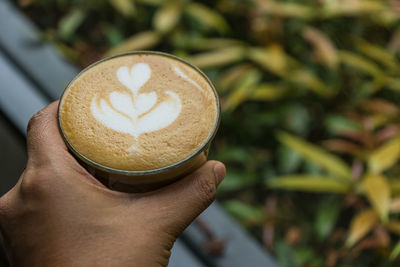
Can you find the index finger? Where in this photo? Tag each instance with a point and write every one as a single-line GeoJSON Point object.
{"type": "Point", "coordinates": [43, 136]}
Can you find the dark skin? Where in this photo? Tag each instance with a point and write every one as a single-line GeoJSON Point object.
{"type": "Point", "coordinates": [59, 215]}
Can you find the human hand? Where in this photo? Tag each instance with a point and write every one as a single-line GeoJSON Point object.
{"type": "Point", "coordinates": [59, 215]}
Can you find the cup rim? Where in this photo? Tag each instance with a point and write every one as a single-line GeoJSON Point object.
{"type": "Point", "coordinates": [144, 172]}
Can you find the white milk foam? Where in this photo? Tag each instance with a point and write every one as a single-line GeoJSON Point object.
{"type": "Point", "coordinates": [124, 113]}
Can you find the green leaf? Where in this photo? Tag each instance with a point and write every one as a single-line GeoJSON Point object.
{"type": "Point", "coordinates": [316, 155]}
{"type": "Point", "coordinates": [245, 213]}
{"type": "Point", "coordinates": [285, 254]}
{"type": "Point", "coordinates": [377, 190]}
{"type": "Point", "coordinates": [125, 7]}
{"type": "Point", "coordinates": [142, 40]}
{"type": "Point", "coordinates": [167, 17]}
{"type": "Point", "coordinates": [296, 118]}
{"type": "Point", "coordinates": [338, 124]}
{"type": "Point", "coordinates": [70, 23]}
{"type": "Point", "coordinates": [360, 225]}
{"type": "Point", "coordinates": [327, 215]}
{"type": "Point", "coordinates": [395, 252]}
{"type": "Point", "coordinates": [385, 156]}
{"type": "Point", "coordinates": [207, 17]}
{"type": "Point", "coordinates": [309, 183]}
{"type": "Point", "coordinates": [217, 58]}
{"type": "Point", "coordinates": [234, 154]}
{"type": "Point", "coordinates": [113, 34]}
{"type": "Point", "coordinates": [237, 180]}
{"type": "Point", "coordinates": [289, 160]}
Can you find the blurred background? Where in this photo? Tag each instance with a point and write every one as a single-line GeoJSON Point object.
{"type": "Point", "coordinates": [310, 130]}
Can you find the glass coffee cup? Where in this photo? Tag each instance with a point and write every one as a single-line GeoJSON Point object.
{"type": "Point", "coordinates": [183, 75]}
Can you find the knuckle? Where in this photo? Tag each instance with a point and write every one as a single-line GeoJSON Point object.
{"type": "Point", "coordinates": [33, 121]}
{"type": "Point", "coordinates": [35, 182]}
{"type": "Point", "coordinates": [206, 189]}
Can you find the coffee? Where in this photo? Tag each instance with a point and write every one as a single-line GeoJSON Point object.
{"type": "Point", "coordinates": [138, 112]}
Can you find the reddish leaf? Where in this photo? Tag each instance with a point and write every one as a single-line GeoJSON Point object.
{"type": "Point", "coordinates": [342, 146]}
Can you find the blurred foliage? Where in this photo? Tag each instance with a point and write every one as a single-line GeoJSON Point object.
{"type": "Point", "coordinates": [309, 91]}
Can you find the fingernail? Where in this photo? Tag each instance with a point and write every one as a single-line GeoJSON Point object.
{"type": "Point", "coordinates": [219, 172]}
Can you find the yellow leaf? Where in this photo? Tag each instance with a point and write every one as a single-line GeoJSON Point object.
{"type": "Point", "coordinates": [309, 183]}
{"type": "Point", "coordinates": [218, 57]}
{"type": "Point", "coordinates": [293, 10]}
{"type": "Point", "coordinates": [268, 92]}
{"type": "Point", "coordinates": [125, 7]}
{"type": "Point", "coordinates": [393, 84]}
{"type": "Point", "coordinates": [353, 8]}
{"type": "Point", "coordinates": [394, 185]}
{"type": "Point", "coordinates": [232, 75]}
{"type": "Point", "coordinates": [385, 156]}
{"type": "Point", "coordinates": [308, 79]}
{"type": "Point", "coordinates": [166, 18]}
{"type": "Point", "coordinates": [378, 53]}
{"type": "Point", "coordinates": [244, 89]}
{"type": "Point", "coordinates": [206, 16]}
{"type": "Point", "coordinates": [393, 226]}
{"type": "Point", "coordinates": [151, 2]}
{"type": "Point", "coordinates": [143, 40]}
{"type": "Point", "coordinates": [273, 59]}
{"type": "Point", "coordinates": [359, 63]}
{"type": "Point", "coordinates": [377, 190]}
{"type": "Point", "coordinates": [325, 50]}
{"type": "Point", "coordinates": [316, 155]}
{"type": "Point", "coordinates": [360, 225]}
{"type": "Point", "coordinates": [201, 43]}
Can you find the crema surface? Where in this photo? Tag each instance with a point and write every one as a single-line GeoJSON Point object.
{"type": "Point", "coordinates": [138, 112]}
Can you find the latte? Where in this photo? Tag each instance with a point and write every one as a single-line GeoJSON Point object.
{"type": "Point", "coordinates": [138, 112]}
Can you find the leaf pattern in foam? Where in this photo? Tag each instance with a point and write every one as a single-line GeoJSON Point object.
{"type": "Point", "coordinates": [108, 116]}
{"type": "Point", "coordinates": [165, 113]}
{"type": "Point", "coordinates": [144, 102]}
{"type": "Point", "coordinates": [123, 103]}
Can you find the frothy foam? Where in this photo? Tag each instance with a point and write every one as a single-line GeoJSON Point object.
{"type": "Point", "coordinates": [138, 112]}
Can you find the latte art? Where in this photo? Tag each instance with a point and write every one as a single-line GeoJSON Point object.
{"type": "Point", "coordinates": [138, 112]}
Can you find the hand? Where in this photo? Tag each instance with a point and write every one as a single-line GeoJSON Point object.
{"type": "Point", "coordinates": [59, 215]}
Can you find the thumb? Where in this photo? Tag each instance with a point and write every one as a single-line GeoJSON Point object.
{"type": "Point", "coordinates": [181, 202]}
